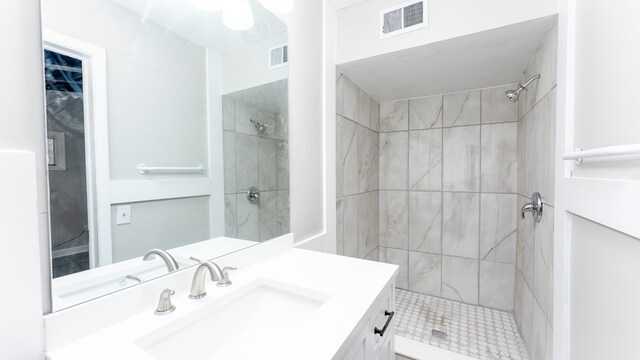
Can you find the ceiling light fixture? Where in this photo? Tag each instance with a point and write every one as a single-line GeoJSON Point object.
{"type": "Point", "coordinates": [237, 15]}
{"type": "Point", "coordinates": [278, 6]}
{"type": "Point", "coordinates": [208, 5]}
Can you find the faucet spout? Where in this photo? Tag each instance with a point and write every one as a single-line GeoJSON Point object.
{"type": "Point", "coordinates": [169, 261]}
{"type": "Point", "coordinates": [198, 283]}
{"type": "Point", "coordinates": [535, 207]}
{"type": "Point", "coordinates": [525, 209]}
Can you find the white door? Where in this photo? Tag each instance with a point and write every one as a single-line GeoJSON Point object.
{"type": "Point", "coordinates": [597, 261]}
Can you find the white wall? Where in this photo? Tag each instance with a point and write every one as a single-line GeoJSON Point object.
{"type": "Point", "coordinates": [145, 64]}
{"type": "Point", "coordinates": [605, 293]}
{"type": "Point", "coordinates": [601, 293]}
{"type": "Point", "coordinates": [216, 153]}
{"type": "Point", "coordinates": [248, 66]}
{"type": "Point", "coordinates": [358, 25]}
{"type": "Point", "coordinates": [21, 329]}
{"type": "Point", "coordinates": [307, 126]}
{"type": "Point", "coordinates": [23, 221]}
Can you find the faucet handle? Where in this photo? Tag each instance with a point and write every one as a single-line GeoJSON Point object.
{"type": "Point", "coordinates": [535, 207]}
{"type": "Point", "coordinates": [224, 281]}
{"type": "Point", "coordinates": [164, 304]}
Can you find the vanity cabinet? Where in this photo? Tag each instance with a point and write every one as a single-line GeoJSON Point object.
{"type": "Point", "coordinates": [372, 343]}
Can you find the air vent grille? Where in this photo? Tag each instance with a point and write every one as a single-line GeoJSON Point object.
{"type": "Point", "coordinates": [413, 14]}
{"type": "Point", "coordinates": [403, 18]}
{"type": "Point", "coordinates": [278, 56]}
{"type": "Point", "coordinates": [392, 21]}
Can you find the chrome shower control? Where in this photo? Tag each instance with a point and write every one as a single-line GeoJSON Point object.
{"type": "Point", "coordinates": [260, 128]}
{"type": "Point", "coordinates": [253, 195]}
{"type": "Point", "coordinates": [534, 207]}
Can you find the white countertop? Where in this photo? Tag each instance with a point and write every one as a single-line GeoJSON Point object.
{"type": "Point", "coordinates": [75, 283]}
{"type": "Point", "coordinates": [352, 286]}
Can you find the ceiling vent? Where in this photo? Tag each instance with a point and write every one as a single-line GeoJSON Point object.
{"type": "Point", "coordinates": [278, 56]}
{"type": "Point", "coordinates": [403, 18]}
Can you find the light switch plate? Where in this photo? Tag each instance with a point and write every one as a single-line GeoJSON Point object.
{"type": "Point", "coordinates": [123, 214]}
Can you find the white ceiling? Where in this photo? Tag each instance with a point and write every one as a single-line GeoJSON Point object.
{"type": "Point", "coordinates": [341, 4]}
{"type": "Point", "coordinates": [204, 28]}
{"type": "Point", "coordinates": [490, 58]}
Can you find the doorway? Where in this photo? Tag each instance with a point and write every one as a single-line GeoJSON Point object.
{"type": "Point", "coordinates": [67, 165]}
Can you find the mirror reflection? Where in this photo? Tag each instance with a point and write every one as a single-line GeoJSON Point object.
{"type": "Point", "coordinates": [167, 137]}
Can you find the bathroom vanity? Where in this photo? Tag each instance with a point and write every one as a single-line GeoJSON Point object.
{"type": "Point", "coordinates": [297, 304]}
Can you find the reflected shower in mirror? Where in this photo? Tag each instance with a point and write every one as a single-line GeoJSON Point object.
{"type": "Point", "coordinates": [167, 139]}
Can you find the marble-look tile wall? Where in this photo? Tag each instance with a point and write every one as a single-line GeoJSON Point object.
{"type": "Point", "coordinates": [448, 181]}
{"type": "Point", "coordinates": [255, 160]}
{"type": "Point", "coordinates": [357, 126]}
{"type": "Point", "coordinates": [536, 146]}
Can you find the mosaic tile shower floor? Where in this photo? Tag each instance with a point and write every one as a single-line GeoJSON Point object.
{"type": "Point", "coordinates": [471, 330]}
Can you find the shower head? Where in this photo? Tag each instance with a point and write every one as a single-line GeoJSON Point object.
{"type": "Point", "coordinates": [514, 95]}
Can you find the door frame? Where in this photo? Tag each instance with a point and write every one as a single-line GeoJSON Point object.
{"type": "Point", "coordinates": [94, 83]}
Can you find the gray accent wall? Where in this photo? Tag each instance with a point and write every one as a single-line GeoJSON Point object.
{"type": "Point", "coordinates": [357, 163]}
{"type": "Point", "coordinates": [163, 224]}
{"type": "Point", "coordinates": [261, 160]}
{"type": "Point", "coordinates": [536, 149]}
{"type": "Point", "coordinates": [445, 191]}
{"type": "Point", "coordinates": [448, 178]}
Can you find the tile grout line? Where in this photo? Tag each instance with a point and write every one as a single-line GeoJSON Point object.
{"type": "Point", "coordinates": [442, 198]}
{"type": "Point", "coordinates": [480, 196]}
{"type": "Point", "coordinates": [408, 201]}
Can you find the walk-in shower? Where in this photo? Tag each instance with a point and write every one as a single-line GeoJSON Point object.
{"type": "Point", "coordinates": [514, 95]}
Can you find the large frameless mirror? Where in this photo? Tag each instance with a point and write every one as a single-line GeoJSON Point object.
{"type": "Point", "coordinates": [167, 137]}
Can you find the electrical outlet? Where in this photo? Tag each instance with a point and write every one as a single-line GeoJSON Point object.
{"type": "Point", "coordinates": [123, 214]}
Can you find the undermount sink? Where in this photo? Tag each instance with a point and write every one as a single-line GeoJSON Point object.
{"type": "Point", "coordinates": [257, 319]}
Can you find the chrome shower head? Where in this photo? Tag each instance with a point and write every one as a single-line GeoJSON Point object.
{"type": "Point", "coordinates": [514, 95]}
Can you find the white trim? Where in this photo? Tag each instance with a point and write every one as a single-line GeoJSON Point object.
{"type": "Point", "coordinates": [147, 170]}
{"type": "Point", "coordinates": [127, 191]}
{"type": "Point", "coordinates": [94, 65]}
{"type": "Point", "coordinates": [619, 193]}
{"type": "Point", "coordinates": [562, 219]}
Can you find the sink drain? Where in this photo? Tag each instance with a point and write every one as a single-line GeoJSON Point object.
{"type": "Point", "coordinates": [439, 334]}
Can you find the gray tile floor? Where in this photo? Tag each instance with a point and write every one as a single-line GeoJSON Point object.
{"type": "Point", "coordinates": [471, 330]}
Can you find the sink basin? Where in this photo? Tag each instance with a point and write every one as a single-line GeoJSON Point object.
{"type": "Point", "coordinates": [257, 319]}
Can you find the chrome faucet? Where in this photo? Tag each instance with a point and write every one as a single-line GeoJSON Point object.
{"type": "Point", "coordinates": [260, 128]}
{"type": "Point", "coordinates": [169, 261]}
{"type": "Point", "coordinates": [216, 274]}
{"type": "Point", "coordinates": [164, 304]}
{"type": "Point", "coordinates": [534, 207]}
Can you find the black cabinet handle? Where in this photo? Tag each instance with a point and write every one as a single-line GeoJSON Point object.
{"type": "Point", "coordinates": [386, 324]}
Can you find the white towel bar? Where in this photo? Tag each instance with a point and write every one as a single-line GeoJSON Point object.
{"type": "Point", "coordinates": [620, 150]}
{"type": "Point", "coordinates": [146, 170]}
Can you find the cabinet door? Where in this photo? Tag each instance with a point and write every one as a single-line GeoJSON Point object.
{"type": "Point", "coordinates": [360, 349]}
{"type": "Point", "coordinates": [383, 309]}
{"type": "Point", "coordinates": [387, 351]}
